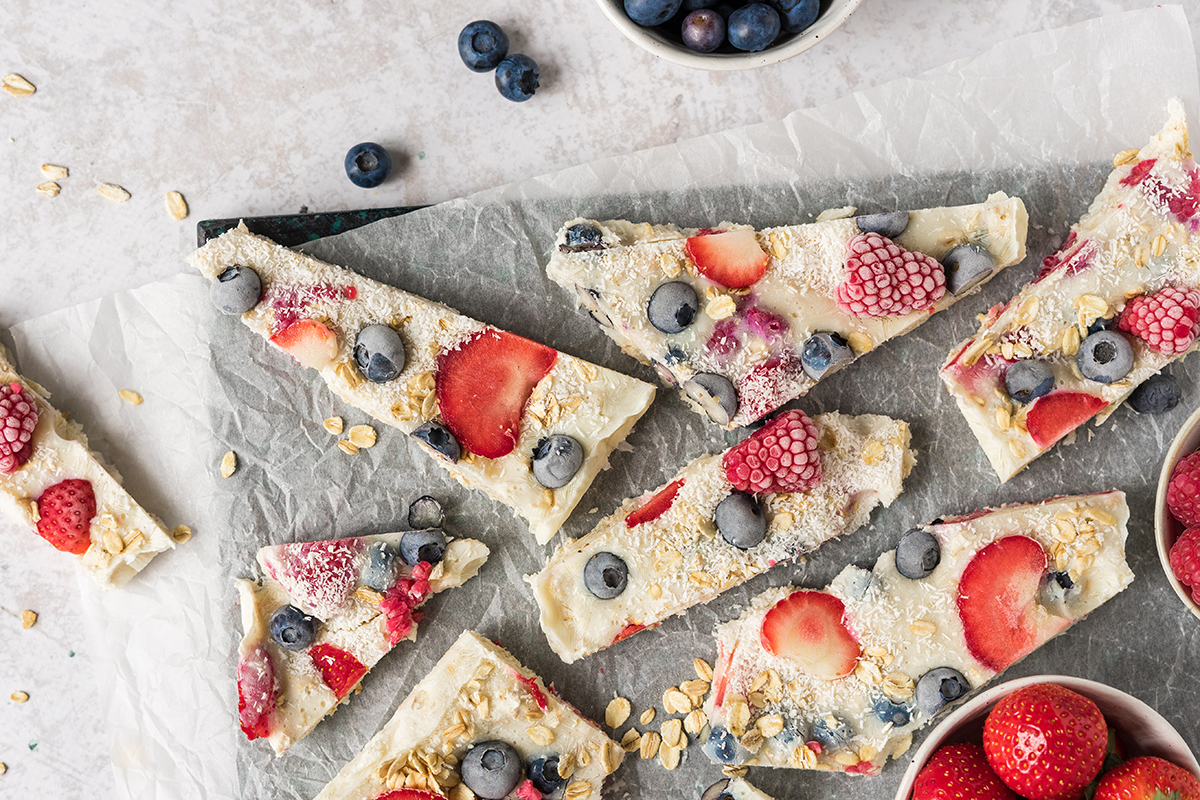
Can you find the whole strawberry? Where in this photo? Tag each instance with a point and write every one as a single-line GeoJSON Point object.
{"type": "Point", "coordinates": [782, 457]}
{"type": "Point", "coordinates": [959, 771]}
{"type": "Point", "coordinates": [1148, 778]}
{"type": "Point", "coordinates": [1183, 491]}
{"type": "Point", "coordinates": [65, 515]}
{"type": "Point", "coordinates": [1045, 741]}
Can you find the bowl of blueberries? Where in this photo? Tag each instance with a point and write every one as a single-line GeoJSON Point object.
{"type": "Point", "coordinates": [727, 34]}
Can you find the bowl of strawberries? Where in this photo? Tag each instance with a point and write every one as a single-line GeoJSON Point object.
{"type": "Point", "coordinates": [1052, 737]}
{"type": "Point", "coordinates": [1177, 514]}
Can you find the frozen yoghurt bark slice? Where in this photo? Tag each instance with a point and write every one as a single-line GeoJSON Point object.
{"type": "Point", "coordinates": [525, 424]}
{"type": "Point", "coordinates": [713, 527]}
{"type": "Point", "coordinates": [480, 725]}
{"type": "Point", "coordinates": [323, 615]}
{"type": "Point", "coordinates": [734, 789]}
{"type": "Point", "coordinates": [1114, 305]}
{"type": "Point", "coordinates": [841, 678]}
{"type": "Point", "coordinates": [53, 482]}
{"type": "Point", "coordinates": [744, 321]}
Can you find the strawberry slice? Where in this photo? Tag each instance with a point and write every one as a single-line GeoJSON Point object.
{"type": "Point", "coordinates": [731, 258]}
{"type": "Point", "coordinates": [340, 670]}
{"type": "Point", "coordinates": [1053, 416]}
{"type": "Point", "coordinates": [309, 342]}
{"type": "Point", "coordinates": [410, 794]}
{"type": "Point", "coordinates": [483, 386]}
{"type": "Point", "coordinates": [656, 506]}
{"type": "Point", "coordinates": [997, 602]}
{"type": "Point", "coordinates": [627, 631]}
{"type": "Point", "coordinates": [256, 691]}
{"type": "Point", "coordinates": [809, 628]}
{"type": "Point", "coordinates": [66, 510]}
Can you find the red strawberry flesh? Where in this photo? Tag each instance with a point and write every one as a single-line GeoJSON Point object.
{"type": "Point", "coordinates": [808, 627]}
{"type": "Point", "coordinates": [256, 691]}
{"type": "Point", "coordinates": [959, 771]}
{"type": "Point", "coordinates": [309, 342]}
{"type": "Point", "coordinates": [66, 510]}
{"type": "Point", "coordinates": [1053, 416]}
{"type": "Point", "coordinates": [656, 506]}
{"type": "Point", "coordinates": [340, 670]}
{"type": "Point", "coordinates": [733, 259]}
{"type": "Point", "coordinates": [410, 794]}
{"type": "Point", "coordinates": [1148, 777]}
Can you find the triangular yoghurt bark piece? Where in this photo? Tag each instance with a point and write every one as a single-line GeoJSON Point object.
{"type": "Point", "coordinates": [480, 725]}
{"type": "Point", "coordinates": [734, 789]}
{"type": "Point", "coordinates": [1115, 304]}
{"type": "Point", "coordinates": [51, 481]}
{"type": "Point", "coordinates": [525, 424]}
{"type": "Point", "coordinates": [744, 321]}
{"type": "Point", "coordinates": [707, 530]}
{"type": "Point", "coordinates": [323, 615]}
{"type": "Point", "coordinates": [841, 678]}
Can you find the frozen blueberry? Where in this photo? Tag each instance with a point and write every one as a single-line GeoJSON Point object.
{"type": "Point", "coordinates": [379, 353]}
{"type": "Point", "coordinates": [1158, 394]}
{"type": "Point", "coordinates": [966, 265]}
{"type": "Point", "coordinates": [887, 711]}
{"type": "Point", "coordinates": [917, 554]}
{"type": "Point", "coordinates": [1056, 591]}
{"type": "Point", "coordinates": [715, 394]}
{"type": "Point", "coordinates": [692, 5]}
{"type": "Point", "coordinates": [822, 352]}
{"type": "Point", "coordinates": [721, 747]}
{"type": "Point", "coordinates": [590, 299]}
{"type": "Point", "coordinates": [1105, 357]}
{"type": "Point", "coordinates": [795, 16]}
{"type": "Point", "coordinates": [368, 165]}
{"type": "Point", "coordinates": [832, 731]}
{"type": "Point", "coordinates": [753, 27]}
{"type": "Point", "coordinates": [891, 224]}
{"type": "Point", "coordinates": [517, 78]}
{"type": "Point", "coordinates": [605, 575]}
{"type": "Point", "coordinates": [717, 791]}
{"type": "Point", "coordinates": [543, 774]}
{"type": "Point", "coordinates": [582, 236]}
{"type": "Point", "coordinates": [673, 306]}
{"type": "Point", "coordinates": [556, 459]}
{"type": "Point", "coordinates": [440, 438]}
{"type": "Point", "coordinates": [1028, 380]}
{"type": "Point", "coordinates": [857, 582]}
{"type": "Point", "coordinates": [491, 769]}
{"type": "Point", "coordinates": [675, 355]}
{"type": "Point", "coordinates": [428, 545]}
{"type": "Point", "coordinates": [703, 30]}
{"type": "Point", "coordinates": [651, 12]}
{"type": "Point", "coordinates": [741, 520]}
{"type": "Point", "coordinates": [236, 290]}
{"type": "Point", "coordinates": [425, 512]}
{"type": "Point", "coordinates": [482, 44]}
{"type": "Point", "coordinates": [379, 572]}
{"type": "Point", "coordinates": [1101, 324]}
{"type": "Point", "coordinates": [938, 688]}
{"type": "Point", "coordinates": [292, 629]}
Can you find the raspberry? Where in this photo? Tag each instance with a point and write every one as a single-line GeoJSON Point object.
{"type": "Point", "coordinates": [18, 418]}
{"type": "Point", "coordinates": [885, 280]}
{"type": "Point", "coordinates": [1183, 491]}
{"type": "Point", "coordinates": [782, 457]}
{"type": "Point", "coordinates": [1185, 558]}
{"type": "Point", "coordinates": [1166, 320]}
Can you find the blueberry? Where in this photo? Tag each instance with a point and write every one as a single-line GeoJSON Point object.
{"type": "Point", "coordinates": [673, 306]}
{"type": "Point", "coordinates": [891, 224]}
{"type": "Point", "coordinates": [753, 27]}
{"type": "Point", "coordinates": [938, 688]}
{"type": "Point", "coordinates": [675, 355]}
{"type": "Point", "coordinates": [582, 236]}
{"type": "Point", "coordinates": [368, 165]}
{"type": "Point", "coordinates": [717, 791]}
{"type": "Point", "coordinates": [1028, 380]}
{"type": "Point", "coordinates": [896, 713]}
{"type": "Point", "coordinates": [822, 352]}
{"type": "Point", "coordinates": [556, 459]}
{"type": "Point", "coordinates": [605, 575]}
{"type": "Point", "coordinates": [440, 438]}
{"type": "Point", "coordinates": [491, 769]}
{"type": "Point", "coordinates": [428, 545]}
{"type": "Point", "coordinates": [590, 299]}
{"type": "Point", "coordinates": [425, 512]}
{"type": "Point", "coordinates": [917, 554]}
{"type": "Point", "coordinates": [857, 582]}
{"type": "Point", "coordinates": [832, 731]}
{"type": "Point", "coordinates": [721, 746]}
{"type": "Point", "coordinates": [1056, 591]}
{"type": "Point", "coordinates": [1101, 324]}
{"type": "Point", "coordinates": [380, 570]}
{"type": "Point", "coordinates": [741, 520]}
{"type": "Point", "coordinates": [482, 44]}
{"type": "Point", "coordinates": [651, 12]}
{"type": "Point", "coordinates": [1105, 357]}
{"type": "Point", "coordinates": [543, 774]}
{"type": "Point", "coordinates": [1158, 394]}
{"type": "Point", "coordinates": [517, 78]}
{"type": "Point", "coordinates": [966, 266]}
{"type": "Point", "coordinates": [292, 629]}
{"type": "Point", "coordinates": [703, 30]}
{"type": "Point", "coordinates": [236, 290]}
{"type": "Point", "coordinates": [379, 353]}
{"type": "Point", "coordinates": [692, 5]}
{"type": "Point", "coordinates": [795, 16]}
{"type": "Point", "coordinates": [715, 394]}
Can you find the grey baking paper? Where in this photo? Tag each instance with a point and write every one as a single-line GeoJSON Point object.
{"type": "Point", "coordinates": [1039, 117]}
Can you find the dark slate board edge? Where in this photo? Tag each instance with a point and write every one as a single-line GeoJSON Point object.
{"type": "Point", "coordinates": [296, 229]}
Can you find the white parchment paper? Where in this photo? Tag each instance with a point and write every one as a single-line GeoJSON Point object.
{"type": "Point", "coordinates": [1039, 117]}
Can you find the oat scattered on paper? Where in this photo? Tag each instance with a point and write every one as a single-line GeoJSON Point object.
{"type": "Point", "coordinates": [131, 397]}
{"type": "Point", "coordinates": [48, 189]}
{"type": "Point", "coordinates": [176, 206]}
{"type": "Point", "coordinates": [17, 86]}
{"type": "Point", "coordinates": [110, 191]}
{"type": "Point", "coordinates": [28, 618]}
{"type": "Point", "coordinates": [348, 447]}
{"type": "Point", "coordinates": [3, 768]}
{"type": "Point", "coordinates": [333, 425]}
{"type": "Point", "coordinates": [55, 172]}
{"type": "Point", "coordinates": [229, 464]}
{"type": "Point", "coordinates": [362, 436]}
{"type": "Point", "coordinates": [19, 697]}
{"type": "Point", "coordinates": [617, 712]}
{"type": "Point", "coordinates": [181, 533]}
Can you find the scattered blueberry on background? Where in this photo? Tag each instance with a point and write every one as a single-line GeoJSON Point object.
{"type": "Point", "coordinates": [368, 165]}
{"type": "Point", "coordinates": [707, 26]}
{"type": "Point", "coordinates": [517, 78]}
{"type": "Point", "coordinates": [482, 45]}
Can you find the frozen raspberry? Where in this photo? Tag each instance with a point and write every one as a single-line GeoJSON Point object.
{"type": "Point", "coordinates": [1166, 320]}
{"type": "Point", "coordinates": [1185, 558]}
{"type": "Point", "coordinates": [1183, 492]}
{"type": "Point", "coordinates": [885, 280]}
{"type": "Point", "coordinates": [782, 457]}
{"type": "Point", "coordinates": [18, 418]}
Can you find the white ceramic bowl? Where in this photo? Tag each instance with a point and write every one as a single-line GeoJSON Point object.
{"type": "Point", "coordinates": [1143, 730]}
{"type": "Point", "coordinates": [1166, 527]}
{"type": "Point", "coordinates": [833, 14]}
